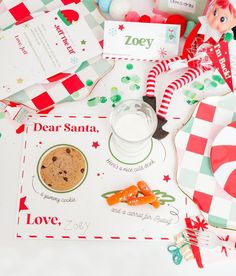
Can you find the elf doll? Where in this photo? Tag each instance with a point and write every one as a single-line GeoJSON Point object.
{"type": "Point", "coordinates": [210, 30]}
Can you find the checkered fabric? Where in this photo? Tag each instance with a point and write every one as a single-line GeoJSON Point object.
{"type": "Point", "coordinates": [81, 80]}
{"type": "Point", "coordinates": [195, 177]}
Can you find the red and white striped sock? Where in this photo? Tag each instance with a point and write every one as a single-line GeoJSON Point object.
{"type": "Point", "coordinates": [186, 78]}
{"type": "Point", "coordinates": [155, 72]}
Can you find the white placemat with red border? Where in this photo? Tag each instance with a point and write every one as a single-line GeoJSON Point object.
{"type": "Point", "coordinates": [84, 213]}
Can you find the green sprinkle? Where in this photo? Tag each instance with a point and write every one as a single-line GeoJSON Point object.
{"type": "Point", "coordinates": [2, 115]}
{"type": "Point", "coordinates": [113, 105]}
{"type": "Point", "coordinates": [103, 99]}
{"type": "Point", "coordinates": [125, 79]}
{"type": "Point", "coordinates": [93, 101]}
{"type": "Point", "coordinates": [129, 66]}
{"type": "Point", "coordinates": [116, 98]}
{"type": "Point", "coordinates": [198, 85]}
{"type": "Point", "coordinates": [89, 82]}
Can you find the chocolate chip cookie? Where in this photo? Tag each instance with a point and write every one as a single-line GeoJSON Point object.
{"type": "Point", "coordinates": [62, 168]}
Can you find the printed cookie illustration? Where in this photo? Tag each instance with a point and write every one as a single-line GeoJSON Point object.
{"type": "Point", "coordinates": [62, 168]}
{"type": "Point", "coordinates": [68, 16]}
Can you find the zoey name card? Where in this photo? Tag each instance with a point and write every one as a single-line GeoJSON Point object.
{"type": "Point", "coordinates": [43, 47]}
{"type": "Point", "coordinates": [140, 41]}
{"type": "Point", "coordinates": [69, 168]}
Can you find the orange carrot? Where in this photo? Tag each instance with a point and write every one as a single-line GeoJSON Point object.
{"type": "Point", "coordinates": [146, 191]}
{"type": "Point", "coordinates": [123, 195]}
{"type": "Point", "coordinates": [141, 200]}
{"type": "Point", "coordinates": [114, 199]}
{"type": "Point", "coordinates": [156, 204]}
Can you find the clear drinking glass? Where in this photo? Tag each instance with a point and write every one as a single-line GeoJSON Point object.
{"type": "Point", "coordinates": [133, 124]}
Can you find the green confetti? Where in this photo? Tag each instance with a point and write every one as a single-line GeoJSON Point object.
{"type": "Point", "coordinates": [207, 81]}
{"type": "Point", "coordinates": [89, 82]}
{"type": "Point", "coordinates": [135, 78]}
{"type": "Point", "coordinates": [129, 66]}
{"type": "Point", "coordinates": [219, 79]}
{"type": "Point", "coordinates": [187, 93]}
{"type": "Point", "coordinates": [2, 115]}
{"type": "Point", "coordinates": [198, 85]}
{"type": "Point", "coordinates": [93, 102]}
{"type": "Point", "coordinates": [191, 102]}
{"type": "Point", "coordinates": [190, 94]}
{"type": "Point", "coordinates": [103, 99]}
{"type": "Point", "coordinates": [213, 84]}
{"type": "Point", "coordinates": [125, 79]}
{"type": "Point", "coordinates": [115, 99]}
{"type": "Point", "coordinates": [134, 87]}
{"type": "Point", "coordinates": [0, 135]}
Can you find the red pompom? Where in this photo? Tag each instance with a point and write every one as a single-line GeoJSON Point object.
{"type": "Point", "coordinates": [178, 20]}
{"type": "Point", "coordinates": [132, 16]}
{"type": "Point", "coordinates": [145, 19]}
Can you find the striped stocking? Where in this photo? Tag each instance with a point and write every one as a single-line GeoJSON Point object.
{"type": "Point", "coordinates": [159, 68]}
{"type": "Point", "coordinates": [186, 78]}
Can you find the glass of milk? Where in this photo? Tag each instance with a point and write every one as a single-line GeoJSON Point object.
{"type": "Point", "coordinates": [133, 124]}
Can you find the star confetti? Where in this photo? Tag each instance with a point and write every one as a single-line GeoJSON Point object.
{"type": "Point", "coordinates": [121, 27]}
{"type": "Point", "coordinates": [83, 42]}
{"type": "Point", "coordinates": [95, 145]}
{"type": "Point", "coordinates": [166, 178]}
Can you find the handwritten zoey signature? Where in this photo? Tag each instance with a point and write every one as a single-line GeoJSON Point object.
{"type": "Point", "coordinates": [171, 218]}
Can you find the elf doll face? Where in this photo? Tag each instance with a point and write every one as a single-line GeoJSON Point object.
{"type": "Point", "coordinates": [221, 19]}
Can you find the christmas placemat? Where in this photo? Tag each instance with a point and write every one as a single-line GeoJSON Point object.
{"type": "Point", "coordinates": [195, 176]}
{"type": "Point", "coordinates": [68, 170]}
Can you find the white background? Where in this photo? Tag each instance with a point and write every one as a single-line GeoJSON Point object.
{"type": "Point", "coordinates": [105, 258]}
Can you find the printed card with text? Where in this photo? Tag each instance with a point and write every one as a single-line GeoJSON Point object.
{"type": "Point", "coordinates": [69, 169]}
{"type": "Point", "coordinates": [191, 9]}
{"type": "Point", "coordinates": [43, 47]}
{"type": "Point", "coordinates": [140, 41]}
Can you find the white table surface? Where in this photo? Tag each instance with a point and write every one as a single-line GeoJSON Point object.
{"type": "Point", "coordinates": [105, 258]}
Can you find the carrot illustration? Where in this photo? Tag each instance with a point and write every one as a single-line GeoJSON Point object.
{"type": "Point", "coordinates": [141, 200]}
{"type": "Point", "coordinates": [123, 195]}
{"type": "Point", "coordinates": [146, 191]}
